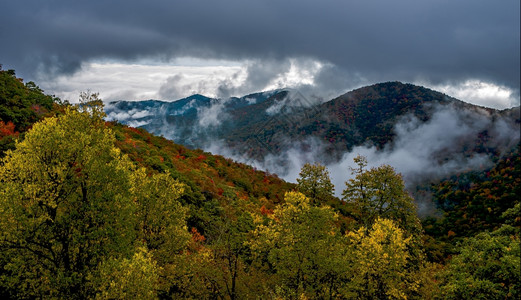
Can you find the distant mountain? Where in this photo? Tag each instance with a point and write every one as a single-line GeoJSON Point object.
{"type": "Point", "coordinates": [188, 120]}
{"type": "Point", "coordinates": [267, 124]}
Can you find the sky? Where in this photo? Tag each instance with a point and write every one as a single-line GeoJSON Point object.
{"type": "Point", "coordinates": [167, 49]}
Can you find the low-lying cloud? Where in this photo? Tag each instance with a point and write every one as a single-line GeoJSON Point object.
{"type": "Point", "coordinates": [420, 150]}
{"type": "Point", "coordinates": [128, 115]}
{"type": "Point", "coordinates": [213, 115]}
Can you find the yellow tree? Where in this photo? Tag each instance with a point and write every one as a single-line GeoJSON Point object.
{"type": "Point", "coordinates": [302, 244]}
{"type": "Point", "coordinates": [70, 203]}
{"type": "Point", "coordinates": [64, 206]}
{"type": "Point", "coordinates": [161, 228]}
{"type": "Point", "coordinates": [160, 217]}
{"type": "Point", "coordinates": [379, 257]}
{"type": "Point", "coordinates": [137, 277]}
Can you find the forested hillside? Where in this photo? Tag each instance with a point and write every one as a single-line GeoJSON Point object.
{"type": "Point", "coordinates": [96, 209]}
{"type": "Point", "coordinates": [268, 123]}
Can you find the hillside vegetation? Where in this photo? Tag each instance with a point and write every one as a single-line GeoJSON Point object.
{"type": "Point", "coordinates": [97, 209]}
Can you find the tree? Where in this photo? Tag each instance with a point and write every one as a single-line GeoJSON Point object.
{"type": "Point", "coordinates": [380, 259]}
{"type": "Point", "coordinates": [128, 278]}
{"type": "Point", "coordinates": [160, 220]}
{"type": "Point", "coordinates": [315, 183]}
{"type": "Point", "coordinates": [380, 192]}
{"type": "Point", "coordinates": [487, 266]}
{"type": "Point", "coordinates": [220, 264]}
{"type": "Point", "coordinates": [65, 205]}
{"type": "Point", "coordinates": [302, 244]}
{"type": "Point", "coordinates": [22, 104]}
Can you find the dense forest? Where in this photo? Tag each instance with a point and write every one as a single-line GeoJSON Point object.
{"type": "Point", "coordinates": [96, 209]}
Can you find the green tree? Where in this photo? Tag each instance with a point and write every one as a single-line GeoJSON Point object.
{"type": "Point", "coordinates": [487, 266]}
{"type": "Point", "coordinates": [380, 192]}
{"type": "Point", "coordinates": [302, 244]}
{"type": "Point", "coordinates": [65, 206]}
{"type": "Point", "coordinates": [315, 183]}
{"type": "Point", "coordinates": [20, 106]}
{"type": "Point", "coordinates": [160, 217]}
{"type": "Point", "coordinates": [229, 252]}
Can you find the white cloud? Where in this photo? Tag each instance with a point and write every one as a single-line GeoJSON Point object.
{"type": "Point", "coordinates": [250, 100]}
{"type": "Point", "coordinates": [300, 72]}
{"type": "Point", "coordinates": [139, 81]}
{"type": "Point", "coordinates": [480, 93]}
{"type": "Point", "coordinates": [293, 99]}
{"type": "Point", "coordinates": [126, 115]}
{"type": "Point", "coordinates": [137, 123]}
{"type": "Point", "coordinates": [181, 78]}
{"type": "Point", "coordinates": [212, 115]}
{"type": "Point", "coordinates": [420, 150]}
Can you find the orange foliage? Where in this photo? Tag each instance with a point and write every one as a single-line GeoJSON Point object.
{"type": "Point", "coordinates": [197, 240]}
{"type": "Point", "coordinates": [265, 211]}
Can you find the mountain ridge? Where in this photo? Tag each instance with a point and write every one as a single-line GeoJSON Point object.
{"type": "Point", "coordinates": [367, 114]}
{"type": "Point", "coordinates": [385, 121]}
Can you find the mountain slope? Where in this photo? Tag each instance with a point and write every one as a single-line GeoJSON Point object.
{"type": "Point", "coordinates": [377, 116]}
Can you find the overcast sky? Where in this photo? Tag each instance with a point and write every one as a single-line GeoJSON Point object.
{"type": "Point", "coordinates": [166, 49]}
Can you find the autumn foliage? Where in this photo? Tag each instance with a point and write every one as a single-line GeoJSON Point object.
{"type": "Point", "coordinates": [95, 209]}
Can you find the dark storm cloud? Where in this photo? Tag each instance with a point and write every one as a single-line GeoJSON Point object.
{"type": "Point", "coordinates": [435, 40]}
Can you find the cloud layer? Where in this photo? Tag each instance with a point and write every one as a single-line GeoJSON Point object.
{"type": "Point", "coordinates": [439, 42]}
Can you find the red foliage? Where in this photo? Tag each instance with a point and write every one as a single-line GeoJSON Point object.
{"type": "Point", "coordinates": [7, 129]}
{"type": "Point", "coordinates": [196, 236]}
{"type": "Point", "coordinates": [38, 109]}
{"type": "Point", "coordinates": [135, 130]}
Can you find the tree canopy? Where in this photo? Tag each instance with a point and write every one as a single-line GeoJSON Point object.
{"type": "Point", "coordinates": [315, 183]}
{"type": "Point", "coordinates": [380, 192]}
{"type": "Point", "coordinates": [69, 200]}
{"type": "Point", "coordinates": [303, 245]}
